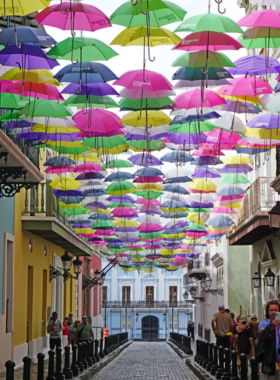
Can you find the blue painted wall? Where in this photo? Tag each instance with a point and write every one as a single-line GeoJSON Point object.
{"type": "Point", "coordinates": [7, 221]}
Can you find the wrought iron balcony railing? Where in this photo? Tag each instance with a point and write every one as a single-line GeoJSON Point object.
{"type": "Point", "coordinates": [146, 304]}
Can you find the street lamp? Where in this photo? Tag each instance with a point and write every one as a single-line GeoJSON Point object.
{"type": "Point", "coordinates": [256, 280]}
{"type": "Point", "coordinates": [186, 295]}
{"type": "Point", "coordinates": [193, 291]}
{"type": "Point", "coordinates": [270, 277]}
{"type": "Point", "coordinates": [208, 282]}
{"type": "Point", "coordinates": [66, 265]}
{"type": "Point", "coordinates": [203, 284]}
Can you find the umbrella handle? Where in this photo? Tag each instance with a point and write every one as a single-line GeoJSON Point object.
{"type": "Point", "coordinates": [219, 2]}
{"type": "Point", "coordinates": [142, 10]}
{"type": "Point", "coordinates": [16, 38]}
{"type": "Point", "coordinates": [149, 52]}
{"type": "Point", "coordinates": [61, 10]}
{"type": "Point", "coordinates": [134, 4]}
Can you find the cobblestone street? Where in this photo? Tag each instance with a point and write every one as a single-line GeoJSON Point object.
{"type": "Point", "coordinates": [149, 361]}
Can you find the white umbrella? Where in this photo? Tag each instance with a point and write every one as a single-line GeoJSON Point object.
{"type": "Point", "coordinates": [51, 121]}
{"type": "Point", "coordinates": [148, 219]}
{"type": "Point", "coordinates": [129, 235]}
{"type": "Point", "coordinates": [267, 2]}
{"type": "Point", "coordinates": [143, 130]}
{"type": "Point", "coordinates": [271, 102]}
{"type": "Point", "coordinates": [94, 184]}
{"type": "Point", "coordinates": [192, 111]}
{"type": "Point", "coordinates": [203, 198]}
{"type": "Point", "coordinates": [175, 197]}
{"type": "Point", "coordinates": [229, 121]}
{"type": "Point", "coordinates": [74, 218]}
{"type": "Point", "coordinates": [178, 172]}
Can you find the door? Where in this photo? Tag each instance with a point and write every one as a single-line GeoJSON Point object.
{"type": "Point", "coordinates": [150, 327]}
{"type": "Point", "coordinates": [44, 307]}
{"type": "Point", "coordinates": [125, 294]}
{"type": "Point", "coordinates": [150, 293]}
{"type": "Point", "coordinates": [173, 295]}
{"type": "Point", "coordinates": [29, 305]}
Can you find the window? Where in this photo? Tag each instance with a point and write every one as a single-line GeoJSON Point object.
{"type": "Point", "coordinates": [126, 322]}
{"type": "Point", "coordinates": [104, 294]}
{"type": "Point", "coordinates": [175, 322]}
{"type": "Point", "coordinates": [149, 293]}
{"type": "Point", "coordinates": [126, 294]}
{"type": "Point", "coordinates": [220, 274]}
{"type": "Point", "coordinates": [172, 293]}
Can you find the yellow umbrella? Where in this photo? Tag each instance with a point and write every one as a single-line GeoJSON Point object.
{"type": "Point", "coordinates": [88, 157]}
{"type": "Point", "coordinates": [21, 7]}
{"type": "Point", "coordinates": [148, 186]}
{"type": "Point", "coordinates": [234, 205]}
{"type": "Point", "coordinates": [72, 205]}
{"type": "Point", "coordinates": [182, 209]}
{"type": "Point", "coordinates": [126, 223]}
{"type": "Point", "coordinates": [115, 150]}
{"type": "Point", "coordinates": [43, 129]}
{"type": "Point", "coordinates": [154, 119]}
{"type": "Point", "coordinates": [264, 134]}
{"type": "Point", "coordinates": [240, 98]}
{"type": "Point", "coordinates": [238, 159]}
{"type": "Point", "coordinates": [195, 218]}
{"type": "Point", "coordinates": [86, 231]}
{"type": "Point", "coordinates": [67, 144]}
{"type": "Point", "coordinates": [65, 183]}
{"type": "Point", "coordinates": [138, 37]}
{"type": "Point", "coordinates": [34, 76]}
{"type": "Point", "coordinates": [174, 236]}
{"type": "Point", "coordinates": [202, 184]}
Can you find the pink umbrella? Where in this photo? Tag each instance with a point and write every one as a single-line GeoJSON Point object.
{"type": "Point", "coordinates": [152, 202]}
{"type": "Point", "coordinates": [88, 167]}
{"type": "Point", "coordinates": [150, 227]}
{"type": "Point", "coordinates": [59, 169]}
{"type": "Point", "coordinates": [73, 16]}
{"type": "Point", "coordinates": [97, 120]}
{"type": "Point", "coordinates": [115, 132]}
{"type": "Point", "coordinates": [202, 151]}
{"type": "Point", "coordinates": [224, 137]}
{"type": "Point", "coordinates": [35, 90]}
{"type": "Point", "coordinates": [138, 93]}
{"type": "Point", "coordinates": [5, 84]}
{"type": "Point", "coordinates": [223, 210]}
{"type": "Point", "coordinates": [248, 86]}
{"type": "Point", "coordinates": [194, 99]}
{"type": "Point", "coordinates": [152, 240]}
{"type": "Point", "coordinates": [148, 179]}
{"type": "Point", "coordinates": [105, 232]}
{"type": "Point", "coordinates": [121, 211]}
{"type": "Point", "coordinates": [208, 41]}
{"type": "Point", "coordinates": [269, 18]}
{"type": "Point", "coordinates": [134, 80]}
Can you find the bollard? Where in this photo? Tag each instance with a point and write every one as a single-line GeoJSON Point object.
{"type": "Point", "coordinates": [67, 370]}
{"type": "Point", "coordinates": [234, 369]}
{"type": "Point", "coordinates": [220, 370]}
{"type": "Point", "coordinates": [26, 367]}
{"type": "Point", "coordinates": [227, 374]}
{"type": "Point", "coordinates": [210, 363]}
{"type": "Point", "coordinates": [89, 358]}
{"type": "Point", "coordinates": [254, 368]}
{"type": "Point", "coordinates": [243, 366]}
{"type": "Point", "coordinates": [74, 367]}
{"type": "Point", "coordinates": [96, 342]}
{"type": "Point", "coordinates": [40, 367]}
{"type": "Point", "coordinates": [92, 352]}
{"type": "Point", "coordinates": [215, 366]}
{"type": "Point", "coordinates": [206, 360]}
{"type": "Point", "coordinates": [84, 352]}
{"type": "Point", "coordinates": [197, 349]}
{"type": "Point", "coordinates": [80, 357]}
{"type": "Point", "coordinates": [51, 366]}
{"type": "Point", "coordinates": [101, 353]}
{"type": "Point", "coordinates": [202, 352]}
{"type": "Point", "coordinates": [58, 373]}
{"type": "Point", "coordinates": [10, 370]}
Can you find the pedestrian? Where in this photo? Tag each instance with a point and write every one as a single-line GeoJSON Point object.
{"type": "Point", "coordinates": [268, 348]}
{"type": "Point", "coordinates": [191, 329]}
{"type": "Point", "coordinates": [54, 329]}
{"type": "Point", "coordinates": [227, 311]}
{"type": "Point", "coordinates": [65, 331]}
{"type": "Point", "coordinates": [84, 331]}
{"type": "Point", "coordinates": [243, 339]}
{"type": "Point", "coordinates": [232, 317]}
{"type": "Point", "coordinates": [221, 325]}
{"type": "Point", "coordinates": [73, 333]}
{"type": "Point", "coordinates": [70, 319]}
{"type": "Point", "coordinates": [255, 327]}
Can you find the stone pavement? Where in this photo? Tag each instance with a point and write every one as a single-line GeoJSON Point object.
{"type": "Point", "coordinates": [147, 361]}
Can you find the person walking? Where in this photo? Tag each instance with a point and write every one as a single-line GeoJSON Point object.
{"type": "Point", "coordinates": [255, 327]}
{"type": "Point", "coordinates": [221, 325]}
{"type": "Point", "coordinates": [54, 329]}
{"type": "Point", "coordinates": [73, 329]}
{"type": "Point", "coordinates": [84, 331]}
{"type": "Point", "coordinates": [70, 319]}
{"type": "Point", "coordinates": [243, 339]}
{"type": "Point", "coordinates": [65, 331]}
{"type": "Point", "coordinates": [191, 329]}
{"type": "Point", "coordinates": [268, 348]}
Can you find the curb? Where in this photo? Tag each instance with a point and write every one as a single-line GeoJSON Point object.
{"type": "Point", "coordinates": [198, 371]}
{"type": "Point", "coordinates": [178, 350]}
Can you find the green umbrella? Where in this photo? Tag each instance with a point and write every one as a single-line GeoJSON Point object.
{"type": "Point", "coordinates": [198, 59]}
{"type": "Point", "coordinates": [146, 145]}
{"type": "Point", "coordinates": [199, 210]}
{"type": "Point", "coordinates": [82, 49]}
{"type": "Point", "coordinates": [161, 13]}
{"type": "Point", "coordinates": [119, 186]}
{"type": "Point", "coordinates": [209, 22]}
{"type": "Point", "coordinates": [150, 235]}
{"type": "Point", "coordinates": [145, 103]}
{"type": "Point", "coordinates": [9, 100]}
{"type": "Point", "coordinates": [64, 149]}
{"type": "Point", "coordinates": [45, 108]}
{"type": "Point", "coordinates": [257, 38]}
{"type": "Point", "coordinates": [100, 224]}
{"type": "Point", "coordinates": [148, 194]}
{"type": "Point", "coordinates": [11, 115]}
{"type": "Point", "coordinates": [95, 101]}
{"type": "Point", "coordinates": [117, 204]}
{"type": "Point", "coordinates": [234, 178]}
{"type": "Point", "coordinates": [192, 127]}
{"type": "Point", "coordinates": [75, 211]}
{"type": "Point", "coordinates": [105, 142]}
{"type": "Point", "coordinates": [117, 164]}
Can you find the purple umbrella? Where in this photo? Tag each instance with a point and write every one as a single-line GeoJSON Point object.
{"type": "Point", "coordinates": [74, 193]}
{"type": "Point", "coordinates": [82, 225]}
{"type": "Point", "coordinates": [126, 229]}
{"type": "Point", "coordinates": [71, 137]}
{"type": "Point", "coordinates": [144, 137]}
{"type": "Point", "coordinates": [269, 121]}
{"type": "Point", "coordinates": [255, 65]}
{"type": "Point", "coordinates": [241, 107]}
{"type": "Point", "coordinates": [145, 159]}
{"type": "Point", "coordinates": [99, 89]}
{"type": "Point", "coordinates": [28, 57]}
{"type": "Point", "coordinates": [187, 138]}
{"type": "Point", "coordinates": [19, 124]}
{"type": "Point", "coordinates": [122, 198]}
{"type": "Point", "coordinates": [206, 160]}
{"type": "Point", "coordinates": [90, 175]}
{"type": "Point", "coordinates": [205, 173]}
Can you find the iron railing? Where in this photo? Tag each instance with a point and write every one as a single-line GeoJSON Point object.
{"type": "Point", "coordinates": [146, 304]}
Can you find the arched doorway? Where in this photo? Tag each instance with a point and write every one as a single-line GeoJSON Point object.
{"type": "Point", "coordinates": [150, 327]}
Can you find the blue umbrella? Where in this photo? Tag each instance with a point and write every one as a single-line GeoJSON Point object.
{"type": "Point", "coordinates": [101, 217]}
{"type": "Point", "coordinates": [94, 192]}
{"type": "Point", "coordinates": [178, 179]}
{"type": "Point", "coordinates": [251, 151]}
{"type": "Point", "coordinates": [59, 161]}
{"type": "Point", "coordinates": [173, 204]}
{"type": "Point", "coordinates": [71, 199]}
{"type": "Point", "coordinates": [91, 72]}
{"type": "Point", "coordinates": [119, 176]}
{"type": "Point", "coordinates": [148, 172]}
{"type": "Point", "coordinates": [25, 35]}
{"type": "Point", "coordinates": [186, 119]}
{"type": "Point", "coordinates": [175, 189]}
{"type": "Point", "coordinates": [206, 160]}
{"type": "Point", "coordinates": [205, 173]}
{"type": "Point", "coordinates": [230, 190]}
{"type": "Point", "coordinates": [177, 156]}
{"type": "Point", "coordinates": [195, 73]}
{"type": "Point", "coordinates": [219, 221]}
{"type": "Point", "coordinates": [174, 215]}
{"type": "Point", "coordinates": [90, 175]}
{"type": "Point", "coordinates": [277, 88]}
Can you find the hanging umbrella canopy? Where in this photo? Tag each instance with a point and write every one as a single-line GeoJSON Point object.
{"type": "Point", "coordinates": [22, 7]}
{"type": "Point", "coordinates": [238, 159]}
{"type": "Point", "coordinates": [117, 163]}
{"type": "Point", "coordinates": [148, 172]}
{"type": "Point", "coordinates": [220, 221]}
{"type": "Point", "coordinates": [255, 65]}
{"type": "Point", "coordinates": [265, 18]}
{"type": "Point", "coordinates": [177, 157]}
{"type": "Point", "coordinates": [248, 86]}
{"type": "Point", "coordinates": [34, 76]}
{"type": "Point", "coordinates": [65, 183]}
{"type": "Point", "coordinates": [195, 73]}
{"type": "Point", "coordinates": [270, 102]}
{"type": "Point", "coordinates": [186, 84]}
{"type": "Point", "coordinates": [120, 188]}
{"type": "Point", "coordinates": [209, 22]}
{"type": "Point", "coordinates": [148, 194]}
{"type": "Point", "coordinates": [36, 90]}
{"type": "Point", "coordinates": [230, 122]}
{"type": "Point", "coordinates": [91, 101]}
{"type": "Point", "coordinates": [119, 176]}
{"type": "Point", "coordinates": [192, 99]}
{"type": "Point", "coordinates": [45, 108]}
{"type": "Point", "coordinates": [140, 93]}
{"type": "Point", "coordinates": [268, 121]}
{"type": "Point", "coordinates": [234, 178]}
{"type": "Point", "coordinates": [138, 37]}
{"type": "Point", "coordinates": [202, 185]}
{"type": "Point", "coordinates": [205, 173]}
{"type": "Point", "coordinates": [82, 49]}
{"type": "Point", "coordinates": [152, 103]}
{"type": "Point", "coordinates": [151, 119]}
{"type": "Point", "coordinates": [134, 80]}
{"type": "Point", "coordinates": [241, 107]}
{"type": "Point", "coordinates": [73, 16]}
{"type": "Point", "coordinates": [161, 13]}
{"type": "Point", "coordinates": [98, 89]}
{"type": "Point", "coordinates": [97, 120]}
{"type": "Point", "coordinates": [145, 159]}
{"type": "Point", "coordinates": [25, 35]}
{"type": "Point", "coordinates": [197, 59]}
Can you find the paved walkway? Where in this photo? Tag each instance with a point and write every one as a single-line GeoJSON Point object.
{"type": "Point", "coordinates": [146, 361]}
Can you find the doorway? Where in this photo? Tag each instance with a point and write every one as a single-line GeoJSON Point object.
{"type": "Point", "coordinates": [150, 327]}
{"type": "Point", "coordinates": [149, 293]}
{"type": "Point", "coordinates": [29, 305]}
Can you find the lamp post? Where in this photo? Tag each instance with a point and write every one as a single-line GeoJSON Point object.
{"type": "Point", "coordinates": [66, 265]}
{"type": "Point", "coordinates": [257, 280]}
{"type": "Point", "coordinates": [269, 277]}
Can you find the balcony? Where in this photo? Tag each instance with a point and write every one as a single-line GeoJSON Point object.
{"type": "Point", "coordinates": [43, 217]}
{"type": "Point", "coordinates": [146, 304]}
{"type": "Point", "coordinates": [253, 221]}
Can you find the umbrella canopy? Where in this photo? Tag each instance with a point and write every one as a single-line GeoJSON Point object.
{"type": "Point", "coordinates": [255, 65]}
{"type": "Point", "coordinates": [134, 80]}
{"type": "Point", "coordinates": [97, 120]}
{"type": "Point", "coordinates": [25, 35]}
{"type": "Point", "coordinates": [266, 18]}
{"type": "Point", "coordinates": [22, 7]}
{"type": "Point", "coordinates": [193, 99]}
{"type": "Point", "coordinates": [198, 59]}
